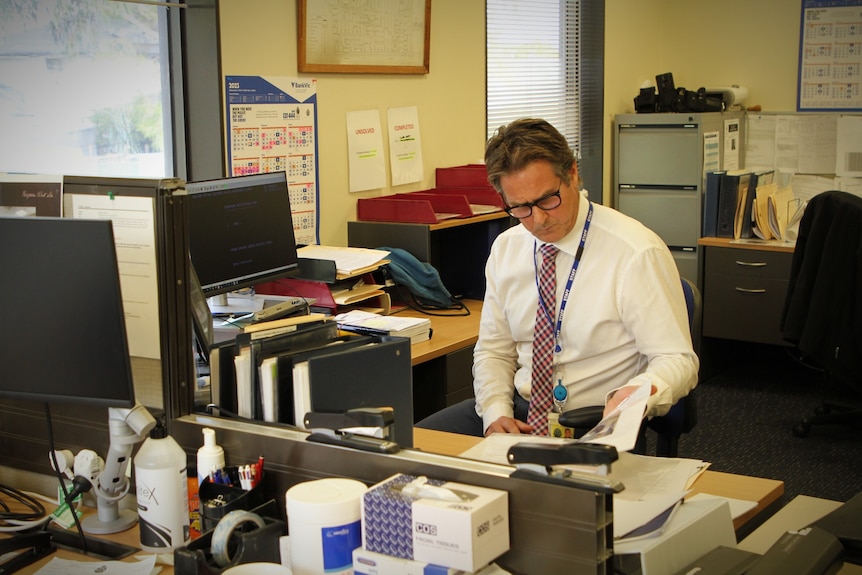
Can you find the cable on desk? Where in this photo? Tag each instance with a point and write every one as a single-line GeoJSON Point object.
{"type": "Point", "coordinates": [20, 520]}
{"type": "Point", "coordinates": [416, 305]}
{"type": "Point", "coordinates": [53, 453]}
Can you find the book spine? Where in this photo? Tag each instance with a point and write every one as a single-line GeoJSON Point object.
{"type": "Point", "coordinates": [710, 203]}
{"type": "Point", "coordinates": [726, 205]}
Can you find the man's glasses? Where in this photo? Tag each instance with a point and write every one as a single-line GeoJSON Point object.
{"type": "Point", "coordinates": [546, 202]}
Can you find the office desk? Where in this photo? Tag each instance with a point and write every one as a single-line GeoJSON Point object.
{"type": "Point", "coordinates": [443, 365]}
{"type": "Point", "coordinates": [765, 492]}
{"type": "Point", "coordinates": [450, 334]}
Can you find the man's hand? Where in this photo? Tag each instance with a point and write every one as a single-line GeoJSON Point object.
{"type": "Point", "coordinates": [619, 396]}
{"type": "Point", "coordinates": [508, 425]}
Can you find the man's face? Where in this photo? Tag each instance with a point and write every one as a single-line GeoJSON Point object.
{"type": "Point", "coordinates": [536, 181]}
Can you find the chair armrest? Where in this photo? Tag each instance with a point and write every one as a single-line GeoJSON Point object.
{"type": "Point", "coordinates": [584, 418]}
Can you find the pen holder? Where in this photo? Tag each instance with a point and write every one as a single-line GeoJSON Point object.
{"type": "Point", "coordinates": [217, 500]}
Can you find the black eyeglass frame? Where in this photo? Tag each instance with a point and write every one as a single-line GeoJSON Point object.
{"type": "Point", "coordinates": [537, 204]}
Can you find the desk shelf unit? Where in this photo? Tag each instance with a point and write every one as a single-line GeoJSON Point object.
{"type": "Point", "coordinates": [457, 248]}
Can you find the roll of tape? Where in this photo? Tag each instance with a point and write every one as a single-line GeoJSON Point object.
{"type": "Point", "coordinates": [224, 530]}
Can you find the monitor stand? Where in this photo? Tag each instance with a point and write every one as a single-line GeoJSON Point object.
{"type": "Point", "coordinates": [217, 300]}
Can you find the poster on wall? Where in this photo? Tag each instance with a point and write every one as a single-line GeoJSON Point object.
{"type": "Point", "coordinates": [830, 56]}
{"type": "Point", "coordinates": [271, 127]}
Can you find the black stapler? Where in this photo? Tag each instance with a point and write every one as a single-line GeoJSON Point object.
{"type": "Point", "coordinates": [336, 428]}
{"type": "Point", "coordinates": [31, 546]}
{"type": "Point", "coordinates": [539, 461]}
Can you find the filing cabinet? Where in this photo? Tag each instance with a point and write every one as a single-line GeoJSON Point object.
{"type": "Point", "coordinates": [660, 162]}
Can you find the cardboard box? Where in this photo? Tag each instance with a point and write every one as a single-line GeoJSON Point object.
{"type": "Point", "coordinates": [370, 563]}
{"type": "Point", "coordinates": [697, 528]}
{"type": "Point", "coordinates": [466, 531]}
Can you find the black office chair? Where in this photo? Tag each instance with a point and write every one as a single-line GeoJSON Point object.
{"type": "Point", "coordinates": [682, 416]}
{"type": "Point", "coordinates": [822, 313]}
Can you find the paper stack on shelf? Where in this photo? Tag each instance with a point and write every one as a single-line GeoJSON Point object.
{"type": "Point", "coordinates": [349, 261]}
{"type": "Point", "coordinates": [359, 321]}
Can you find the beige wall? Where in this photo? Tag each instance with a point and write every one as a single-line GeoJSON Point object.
{"type": "Point", "coordinates": [258, 38]}
{"type": "Point", "coordinates": [753, 44]}
{"type": "Point", "coordinates": [703, 44]}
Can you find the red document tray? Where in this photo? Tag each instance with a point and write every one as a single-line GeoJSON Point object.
{"type": "Point", "coordinates": [487, 196]}
{"type": "Point", "coordinates": [467, 176]}
{"type": "Point", "coordinates": [414, 207]}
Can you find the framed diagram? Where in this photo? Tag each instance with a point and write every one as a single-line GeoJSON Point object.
{"type": "Point", "coordinates": [383, 37]}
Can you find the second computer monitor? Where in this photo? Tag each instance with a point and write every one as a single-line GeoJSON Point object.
{"type": "Point", "coordinates": [241, 231]}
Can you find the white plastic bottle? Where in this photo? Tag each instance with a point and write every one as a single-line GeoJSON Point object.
{"type": "Point", "coordinates": [161, 481]}
{"type": "Point", "coordinates": [210, 455]}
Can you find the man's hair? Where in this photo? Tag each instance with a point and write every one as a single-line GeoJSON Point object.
{"type": "Point", "coordinates": [516, 145]}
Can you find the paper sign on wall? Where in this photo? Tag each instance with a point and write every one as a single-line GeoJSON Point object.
{"type": "Point", "coordinates": [405, 146]}
{"type": "Point", "coordinates": [365, 151]}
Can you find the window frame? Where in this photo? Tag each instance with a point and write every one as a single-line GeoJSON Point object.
{"type": "Point", "coordinates": [579, 70]}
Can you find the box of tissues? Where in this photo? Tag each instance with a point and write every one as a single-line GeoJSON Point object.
{"type": "Point", "coordinates": [451, 524]}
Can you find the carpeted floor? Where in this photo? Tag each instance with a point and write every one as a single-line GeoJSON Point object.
{"type": "Point", "coordinates": [746, 415]}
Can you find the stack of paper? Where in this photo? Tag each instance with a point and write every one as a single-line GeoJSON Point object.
{"type": "Point", "coordinates": [349, 261]}
{"type": "Point", "coordinates": [359, 321]}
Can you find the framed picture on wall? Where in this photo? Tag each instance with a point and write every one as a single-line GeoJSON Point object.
{"type": "Point", "coordinates": [383, 37]}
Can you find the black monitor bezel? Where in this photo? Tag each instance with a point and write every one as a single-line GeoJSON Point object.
{"type": "Point", "coordinates": [226, 285]}
{"type": "Point", "coordinates": [53, 333]}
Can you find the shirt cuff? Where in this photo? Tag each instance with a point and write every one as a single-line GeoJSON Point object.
{"type": "Point", "coordinates": [495, 412]}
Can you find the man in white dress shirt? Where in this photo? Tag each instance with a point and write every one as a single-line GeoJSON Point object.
{"type": "Point", "coordinates": [619, 317]}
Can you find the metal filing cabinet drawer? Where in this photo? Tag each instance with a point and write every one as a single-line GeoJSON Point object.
{"type": "Point", "coordinates": [743, 295]}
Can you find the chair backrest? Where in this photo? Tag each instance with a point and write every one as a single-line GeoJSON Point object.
{"type": "Point", "coordinates": [682, 416]}
{"type": "Point", "coordinates": [693, 305]}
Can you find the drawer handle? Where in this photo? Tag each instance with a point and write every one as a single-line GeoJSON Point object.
{"type": "Point", "coordinates": [751, 264]}
{"type": "Point", "coordinates": [746, 290]}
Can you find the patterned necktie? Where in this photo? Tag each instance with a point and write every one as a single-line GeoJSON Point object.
{"type": "Point", "coordinates": [541, 393]}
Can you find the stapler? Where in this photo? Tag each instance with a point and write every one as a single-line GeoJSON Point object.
{"type": "Point", "coordinates": [32, 547]}
{"type": "Point", "coordinates": [539, 461]}
{"type": "Point", "coordinates": [342, 428]}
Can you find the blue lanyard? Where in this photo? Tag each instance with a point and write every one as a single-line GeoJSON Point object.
{"type": "Point", "coordinates": [574, 270]}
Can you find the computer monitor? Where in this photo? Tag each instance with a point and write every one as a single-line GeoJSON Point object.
{"type": "Point", "coordinates": [241, 231]}
{"type": "Point", "coordinates": [65, 336]}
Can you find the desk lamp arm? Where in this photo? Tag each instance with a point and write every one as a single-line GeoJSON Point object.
{"type": "Point", "coordinates": [127, 427]}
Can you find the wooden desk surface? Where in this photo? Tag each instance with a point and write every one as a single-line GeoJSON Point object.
{"type": "Point", "coordinates": [764, 491]}
{"type": "Point", "coordinates": [449, 333]}
{"type": "Point", "coordinates": [766, 246]}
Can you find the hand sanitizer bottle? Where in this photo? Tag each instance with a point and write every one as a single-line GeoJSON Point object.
{"type": "Point", "coordinates": [210, 455]}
